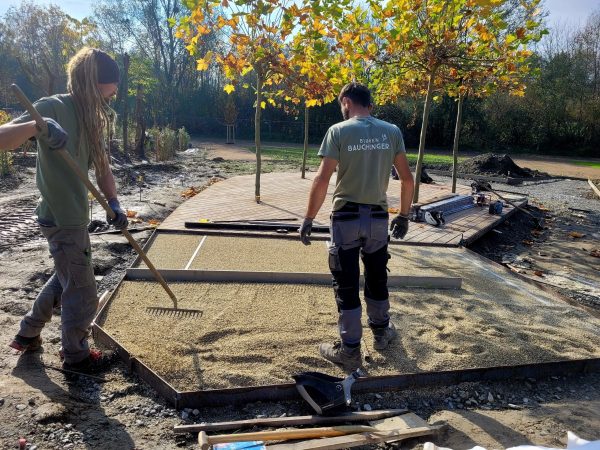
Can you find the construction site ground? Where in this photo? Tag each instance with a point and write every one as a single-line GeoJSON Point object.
{"type": "Point", "coordinates": [36, 402]}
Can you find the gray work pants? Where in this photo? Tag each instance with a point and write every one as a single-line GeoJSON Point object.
{"type": "Point", "coordinates": [72, 286]}
{"type": "Point", "coordinates": [359, 229]}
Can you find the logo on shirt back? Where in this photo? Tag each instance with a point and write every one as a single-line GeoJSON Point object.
{"type": "Point", "coordinates": [370, 144]}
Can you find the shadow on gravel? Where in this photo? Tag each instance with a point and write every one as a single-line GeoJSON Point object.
{"type": "Point", "coordinates": [81, 404]}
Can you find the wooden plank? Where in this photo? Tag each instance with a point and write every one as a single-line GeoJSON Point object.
{"type": "Point", "coordinates": [206, 441]}
{"type": "Point", "coordinates": [393, 429]}
{"type": "Point", "coordinates": [594, 188]}
{"type": "Point", "coordinates": [360, 416]}
{"type": "Point", "coordinates": [238, 276]}
{"type": "Point", "coordinates": [355, 440]}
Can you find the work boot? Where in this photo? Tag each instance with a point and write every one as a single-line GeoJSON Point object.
{"type": "Point", "coordinates": [383, 336]}
{"type": "Point", "coordinates": [338, 353]}
{"type": "Point", "coordinates": [95, 362]}
{"type": "Point", "coordinates": [26, 344]}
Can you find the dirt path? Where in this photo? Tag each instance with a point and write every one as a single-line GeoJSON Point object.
{"type": "Point", "coordinates": [38, 403]}
{"type": "Point", "coordinates": [230, 152]}
{"type": "Point", "coordinates": [565, 167]}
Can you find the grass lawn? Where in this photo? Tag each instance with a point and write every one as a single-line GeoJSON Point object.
{"type": "Point", "coordinates": [594, 164]}
{"type": "Point", "coordinates": [294, 154]}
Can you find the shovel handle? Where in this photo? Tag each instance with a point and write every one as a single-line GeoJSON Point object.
{"type": "Point", "coordinates": [97, 195]}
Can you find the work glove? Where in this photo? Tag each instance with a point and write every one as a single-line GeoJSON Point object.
{"type": "Point", "coordinates": [56, 137]}
{"type": "Point", "coordinates": [120, 220]}
{"type": "Point", "coordinates": [399, 226]}
{"type": "Point", "coordinates": [305, 230]}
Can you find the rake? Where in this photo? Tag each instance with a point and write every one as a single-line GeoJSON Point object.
{"type": "Point", "coordinates": [156, 310]}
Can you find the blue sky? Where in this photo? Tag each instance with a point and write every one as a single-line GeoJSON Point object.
{"type": "Point", "coordinates": [570, 11]}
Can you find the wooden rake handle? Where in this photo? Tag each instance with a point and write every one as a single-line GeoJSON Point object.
{"type": "Point", "coordinates": [97, 195]}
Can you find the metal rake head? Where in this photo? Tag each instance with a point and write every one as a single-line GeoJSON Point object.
{"type": "Point", "coordinates": [174, 312]}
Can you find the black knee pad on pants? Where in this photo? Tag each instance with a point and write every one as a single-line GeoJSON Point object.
{"type": "Point", "coordinates": [346, 272]}
{"type": "Point", "coordinates": [376, 273]}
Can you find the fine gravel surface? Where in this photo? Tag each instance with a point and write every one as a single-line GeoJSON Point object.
{"type": "Point", "coordinates": [255, 334]}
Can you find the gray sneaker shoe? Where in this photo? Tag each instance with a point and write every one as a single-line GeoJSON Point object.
{"type": "Point", "coordinates": [383, 336]}
{"type": "Point", "coordinates": [347, 357]}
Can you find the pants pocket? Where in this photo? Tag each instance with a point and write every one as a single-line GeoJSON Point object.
{"type": "Point", "coordinates": [379, 226]}
{"type": "Point", "coordinates": [334, 259]}
{"type": "Point", "coordinates": [81, 275]}
{"type": "Point", "coordinates": [345, 228]}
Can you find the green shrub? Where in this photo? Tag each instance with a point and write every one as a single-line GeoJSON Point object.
{"type": "Point", "coordinates": [183, 139]}
{"type": "Point", "coordinates": [164, 143]}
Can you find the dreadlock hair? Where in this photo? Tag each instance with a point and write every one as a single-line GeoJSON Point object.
{"type": "Point", "coordinates": [93, 112]}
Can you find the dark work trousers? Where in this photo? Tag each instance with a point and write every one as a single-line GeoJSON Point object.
{"type": "Point", "coordinates": [72, 286]}
{"type": "Point", "coordinates": [359, 230]}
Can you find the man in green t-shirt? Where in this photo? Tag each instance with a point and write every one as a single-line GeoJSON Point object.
{"type": "Point", "coordinates": [76, 122]}
{"type": "Point", "coordinates": [363, 149]}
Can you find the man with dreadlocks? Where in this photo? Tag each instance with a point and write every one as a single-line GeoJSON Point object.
{"type": "Point", "coordinates": [76, 121]}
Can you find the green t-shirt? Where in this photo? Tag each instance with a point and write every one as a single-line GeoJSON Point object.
{"type": "Point", "coordinates": [64, 198]}
{"type": "Point", "coordinates": [365, 148]}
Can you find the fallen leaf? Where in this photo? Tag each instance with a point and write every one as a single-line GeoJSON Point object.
{"type": "Point", "coordinates": [154, 222]}
{"type": "Point", "coordinates": [131, 213]}
{"type": "Point", "coordinates": [576, 234]}
{"type": "Point", "coordinates": [595, 252]}
{"type": "Point", "coordinates": [136, 220]}
{"type": "Point", "coordinates": [393, 210]}
{"type": "Point", "coordinates": [527, 242]}
{"type": "Point", "coordinates": [538, 273]}
{"type": "Point", "coordinates": [190, 192]}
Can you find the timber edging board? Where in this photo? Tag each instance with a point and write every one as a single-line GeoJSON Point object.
{"type": "Point", "coordinates": [236, 276]}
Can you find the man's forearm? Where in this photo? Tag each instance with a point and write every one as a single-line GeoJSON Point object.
{"type": "Point", "coordinates": [12, 135]}
{"type": "Point", "coordinates": [318, 191]}
{"type": "Point", "coordinates": [106, 183]}
{"type": "Point", "coordinates": [407, 188]}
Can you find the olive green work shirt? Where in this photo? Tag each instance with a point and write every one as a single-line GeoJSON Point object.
{"type": "Point", "coordinates": [365, 148]}
{"type": "Point", "coordinates": [64, 197]}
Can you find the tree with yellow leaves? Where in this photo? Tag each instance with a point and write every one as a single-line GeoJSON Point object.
{"type": "Point", "coordinates": [417, 43]}
{"type": "Point", "coordinates": [253, 35]}
{"type": "Point", "coordinates": [319, 73]}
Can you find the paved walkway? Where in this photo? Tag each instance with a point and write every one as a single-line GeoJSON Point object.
{"type": "Point", "coordinates": [284, 196]}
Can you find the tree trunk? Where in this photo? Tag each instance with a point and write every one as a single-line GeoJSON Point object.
{"type": "Point", "coordinates": [461, 97]}
{"type": "Point", "coordinates": [125, 88]}
{"type": "Point", "coordinates": [305, 152]}
{"type": "Point", "coordinates": [259, 82]}
{"type": "Point", "coordinates": [423, 133]}
{"type": "Point", "coordinates": [140, 131]}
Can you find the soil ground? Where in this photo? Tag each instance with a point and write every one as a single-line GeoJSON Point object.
{"type": "Point", "coordinates": [120, 412]}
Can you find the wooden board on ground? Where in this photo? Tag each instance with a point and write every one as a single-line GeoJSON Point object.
{"type": "Point", "coordinates": [356, 416]}
{"type": "Point", "coordinates": [594, 187]}
{"type": "Point", "coordinates": [238, 276]}
{"type": "Point", "coordinates": [391, 430]}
